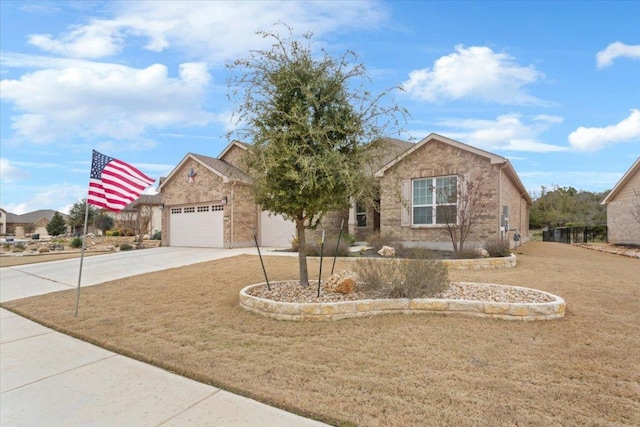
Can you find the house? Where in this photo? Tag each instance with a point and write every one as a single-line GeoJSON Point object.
{"type": "Point", "coordinates": [143, 215]}
{"type": "Point", "coordinates": [30, 223]}
{"type": "Point", "coordinates": [208, 201]}
{"type": "Point", "coordinates": [411, 185]}
{"type": "Point", "coordinates": [623, 208]}
{"type": "Point", "coordinates": [3, 222]}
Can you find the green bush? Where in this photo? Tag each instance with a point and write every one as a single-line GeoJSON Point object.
{"type": "Point", "coordinates": [18, 247]}
{"type": "Point", "coordinates": [76, 242]}
{"type": "Point", "coordinates": [126, 247]}
{"type": "Point", "coordinates": [392, 278]}
{"type": "Point", "coordinates": [157, 236]}
{"type": "Point", "coordinates": [498, 248]}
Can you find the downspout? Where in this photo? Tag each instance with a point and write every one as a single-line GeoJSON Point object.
{"type": "Point", "coordinates": [503, 234]}
{"type": "Point", "coordinates": [231, 214]}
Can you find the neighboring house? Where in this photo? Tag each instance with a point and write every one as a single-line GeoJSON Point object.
{"type": "Point", "coordinates": [3, 222]}
{"type": "Point", "coordinates": [208, 201]}
{"type": "Point", "coordinates": [144, 212]}
{"type": "Point", "coordinates": [622, 202]}
{"type": "Point", "coordinates": [30, 223]}
{"type": "Point", "coordinates": [410, 184]}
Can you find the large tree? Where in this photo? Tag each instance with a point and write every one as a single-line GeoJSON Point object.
{"type": "Point", "coordinates": [56, 226]}
{"type": "Point", "coordinates": [313, 126]}
{"type": "Point", "coordinates": [77, 214]}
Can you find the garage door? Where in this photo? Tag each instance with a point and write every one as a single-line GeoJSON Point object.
{"type": "Point", "coordinates": [197, 226]}
{"type": "Point", "coordinates": [275, 231]}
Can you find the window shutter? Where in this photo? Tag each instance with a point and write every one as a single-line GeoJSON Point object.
{"type": "Point", "coordinates": [405, 207]}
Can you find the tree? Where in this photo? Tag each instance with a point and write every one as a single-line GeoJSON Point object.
{"type": "Point", "coordinates": [566, 206]}
{"type": "Point", "coordinates": [57, 225]}
{"type": "Point", "coordinates": [313, 135]}
{"type": "Point", "coordinates": [77, 214]}
{"type": "Point", "coordinates": [103, 221]}
{"type": "Point", "coordinates": [460, 205]}
{"type": "Point", "coordinates": [29, 228]}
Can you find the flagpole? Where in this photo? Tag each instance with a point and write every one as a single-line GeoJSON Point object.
{"type": "Point", "coordinates": [84, 234]}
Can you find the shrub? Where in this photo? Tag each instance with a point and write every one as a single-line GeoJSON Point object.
{"type": "Point", "coordinates": [467, 254]}
{"type": "Point", "coordinates": [18, 247]}
{"type": "Point", "coordinates": [393, 278]}
{"type": "Point", "coordinates": [416, 253]}
{"type": "Point", "coordinates": [126, 247]}
{"type": "Point", "coordinates": [329, 250]}
{"type": "Point", "coordinates": [43, 250]}
{"type": "Point", "coordinates": [378, 240]}
{"type": "Point", "coordinates": [157, 236]}
{"type": "Point", "coordinates": [76, 242]}
{"type": "Point", "coordinates": [498, 248]}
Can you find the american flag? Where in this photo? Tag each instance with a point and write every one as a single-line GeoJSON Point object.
{"type": "Point", "coordinates": [114, 184]}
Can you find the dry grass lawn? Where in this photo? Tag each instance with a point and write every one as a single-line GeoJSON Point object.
{"type": "Point", "coordinates": [392, 370]}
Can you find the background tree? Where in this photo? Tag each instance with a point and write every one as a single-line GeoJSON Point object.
{"type": "Point", "coordinates": [566, 206]}
{"type": "Point", "coordinates": [57, 225]}
{"type": "Point", "coordinates": [103, 221]}
{"type": "Point", "coordinates": [77, 213]}
{"type": "Point", "coordinates": [313, 129]}
{"type": "Point", "coordinates": [460, 207]}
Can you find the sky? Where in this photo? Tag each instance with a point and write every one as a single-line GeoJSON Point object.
{"type": "Point", "coordinates": [553, 86]}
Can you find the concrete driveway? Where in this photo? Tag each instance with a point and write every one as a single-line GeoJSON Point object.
{"type": "Point", "coordinates": [50, 379]}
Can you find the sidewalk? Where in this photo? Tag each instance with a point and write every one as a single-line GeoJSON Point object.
{"type": "Point", "coordinates": [50, 379]}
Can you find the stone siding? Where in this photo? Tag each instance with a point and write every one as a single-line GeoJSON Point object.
{"type": "Point", "coordinates": [622, 226]}
{"type": "Point", "coordinates": [234, 155]}
{"type": "Point", "coordinates": [211, 188]}
{"type": "Point", "coordinates": [432, 160]}
{"type": "Point", "coordinates": [518, 210]}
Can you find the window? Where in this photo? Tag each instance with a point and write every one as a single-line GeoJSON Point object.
{"type": "Point", "coordinates": [434, 200]}
{"type": "Point", "coordinates": [190, 209]}
{"type": "Point", "coordinates": [361, 214]}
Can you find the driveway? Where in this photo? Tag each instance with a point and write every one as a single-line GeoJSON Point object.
{"type": "Point", "coordinates": [37, 279]}
{"type": "Point", "coordinates": [50, 379]}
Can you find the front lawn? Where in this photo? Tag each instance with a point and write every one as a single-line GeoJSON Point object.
{"type": "Point", "coordinates": [391, 370]}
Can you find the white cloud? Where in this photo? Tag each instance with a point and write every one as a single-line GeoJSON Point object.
{"type": "Point", "coordinates": [89, 99]}
{"type": "Point", "coordinates": [605, 58]}
{"type": "Point", "coordinates": [10, 173]}
{"type": "Point", "coordinates": [507, 132]}
{"type": "Point", "coordinates": [214, 31]}
{"type": "Point", "coordinates": [59, 197]}
{"type": "Point", "coordinates": [593, 139]}
{"type": "Point", "coordinates": [476, 73]}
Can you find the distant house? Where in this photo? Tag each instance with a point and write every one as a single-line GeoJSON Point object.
{"type": "Point", "coordinates": [25, 225]}
{"type": "Point", "coordinates": [208, 201]}
{"type": "Point", "coordinates": [3, 222]}
{"type": "Point", "coordinates": [623, 208]}
{"type": "Point", "coordinates": [145, 212]}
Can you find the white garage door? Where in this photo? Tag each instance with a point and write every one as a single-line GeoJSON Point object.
{"type": "Point", "coordinates": [197, 226]}
{"type": "Point", "coordinates": [275, 231]}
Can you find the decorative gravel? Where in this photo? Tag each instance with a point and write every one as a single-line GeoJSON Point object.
{"type": "Point", "coordinates": [294, 293]}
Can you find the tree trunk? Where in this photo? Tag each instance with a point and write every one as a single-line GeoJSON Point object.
{"type": "Point", "coordinates": [302, 252]}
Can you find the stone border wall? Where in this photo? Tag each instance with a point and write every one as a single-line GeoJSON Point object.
{"type": "Point", "coordinates": [460, 264]}
{"type": "Point", "coordinates": [445, 307]}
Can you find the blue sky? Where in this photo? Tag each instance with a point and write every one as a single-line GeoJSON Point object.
{"type": "Point", "coordinates": [554, 86]}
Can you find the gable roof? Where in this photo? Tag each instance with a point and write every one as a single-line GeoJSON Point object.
{"type": "Point", "coordinates": [234, 143]}
{"type": "Point", "coordinates": [224, 170]}
{"type": "Point", "coordinates": [493, 158]}
{"type": "Point", "coordinates": [635, 168]}
{"type": "Point", "coordinates": [31, 217]}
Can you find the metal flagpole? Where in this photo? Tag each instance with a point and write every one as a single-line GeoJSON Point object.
{"type": "Point", "coordinates": [320, 274]}
{"type": "Point", "coordinates": [84, 234]}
